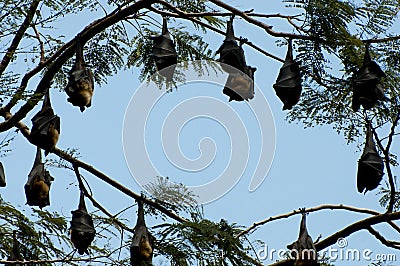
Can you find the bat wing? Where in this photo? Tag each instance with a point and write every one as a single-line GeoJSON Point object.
{"type": "Point", "coordinates": [369, 172]}
{"type": "Point", "coordinates": [2, 176]}
{"type": "Point", "coordinates": [370, 165]}
{"type": "Point", "coordinates": [37, 186]}
{"type": "Point", "coordinates": [164, 52]}
{"type": "Point", "coordinates": [240, 86]}
{"type": "Point", "coordinates": [367, 89]}
{"type": "Point", "coordinates": [82, 227]}
{"type": "Point", "coordinates": [288, 84]}
{"type": "Point", "coordinates": [142, 241]}
{"type": "Point", "coordinates": [41, 124]}
{"type": "Point", "coordinates": [304, 243]}
{"type": "Point", "coordinates": [230, 52]}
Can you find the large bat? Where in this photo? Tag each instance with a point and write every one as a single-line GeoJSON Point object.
{"type": "Point", "coordinates": [240, 86]}
{"type": "Point", "coordinates": [288, 84]}
{"type": "Point", "coordinates": [45, 126]}
{"type": "Point", "coordinates": [230, 53]}
{"type": "Point", "coordinates": [367, 89]}
{"type": "Point", "coordinates": [370, 165]}
{"type": "Point", "coordinates": [164, 53]}
{"type": "Point", "coordinates": [80, 87]}
{"type": "Point", "coordinates": [142, 241]}
{"type": "Point", "coordinates": [2, 176]}
{"type": "Point", "coordinates": [38, 185]}
{"type": "Point", "coordinates": [303, 249]}
{"type": "Point", "coordinates": [82, 230]}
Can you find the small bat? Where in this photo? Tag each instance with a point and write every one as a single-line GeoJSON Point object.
{"type": "Point", "coordinates": [2, 176]}
{"type": "Point", "coordinates": [230, 53]}
{"type": "Point", "coordinates": [15, 254]}
{"type": "Point", "coordinates": [80, 87]}
{"type": "Point", "coordinates": [303, 249]}
{"type": "Point", "coordinates": [288, 84]}
{"type": "Point", "coordinates": [164, 53]}
{"type": "Point", "coordinates": [240, 86]}
{"type": "Point", "coordinates": [142, 241]}
{"type": "Point", "coordinates": [367, 89]}
{"type": "Point", "coordinates": [82, 230]}
{"type": "Point", "coordinates": [38, 185]}
{"type": "Point", "coordinates": [45, 126]}
{"type": "Point", "coordinates": [370, 165]}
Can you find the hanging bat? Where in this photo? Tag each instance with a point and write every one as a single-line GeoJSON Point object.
{"type": "Point", "coordinates": [45, 126]}
{"type": "Point", "coordinates": [82, 230]}
{"type": "Point", "coordinates": [367, 89]}
{"type": "Point", "coordinates": [38, 185]}
{"type": "Point", "coordinates": [164, 53]}
{"type": "Point", "coordinates": [240, 86]}
{"type": "Point", "coordinates": [370, 165]}
{"type": "Point", "coordinates": [142, 241]}
{"type": "Point", "coordinates": [230, 53]}
{"type": "Point", "coordinates": [288, 84]}
{"type": "Point", "coordinates": [80, 87]}
{"type": "Point", "coordinates": [2, 176]}
{"type": "Point", "coordinates": [15, 254]}
{"type": "Point", "coordinates": [303, 249]}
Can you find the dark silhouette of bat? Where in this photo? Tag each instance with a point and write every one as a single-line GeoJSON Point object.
{"type": "Point", "coordinates": [38, 185]}
{"type": "Point", "coordinates": [82, 230]}
{"type": "Point", "coordinates": [80, 87]}
{"type": "Point", "coordinates": [164, 52]}
{"type": "Point", "coordinates": [240, 86]}
{"type": "Point", "coordinates": [15, 254]}
{"type": "Point", "coordinates": [230, 53]}
{"type": "Point", "coordinates": [45, 126]}
{"type": "Point", "coordinates": [2, 176]}
{"type": "Point", "coordinates": [367, 88]}
{"type": "Point", "coordinates": [142, 242]}
{"type": "Point", "coordinates": [288, 84]}
{"type": "Point", "coordinates": [370, 165]}
{"type": "Point", "coordinates": [303, 249]}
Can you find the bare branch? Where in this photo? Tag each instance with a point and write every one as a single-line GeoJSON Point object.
{"type": "Point", "coordinates": [382, 239]}
{"type": "Point", "coordinates": [19, 35]}
{"type": "Point", "coordinates": [357, 226]}
{"type": "Point", "coordinates": [314, 209]}
{"type": "Point", "coordinates": [41, 45]}
{"type": "Point", "coordinates": [86, 34]}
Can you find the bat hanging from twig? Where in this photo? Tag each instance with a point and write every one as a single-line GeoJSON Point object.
{"type": "Point", "coordinates": [370, 165]}
{"type": "Point", "coordinates": [82, 230]}
{"type": "Point", "coordinates": [38, 185]}
{"type": "Point", "coordinates": [367, 88]}
{"type": "Point", "coordinates": [303, 249]}
{"type": "Point", "coordinates": [164, 52]}
{"type": "Point", "coordinates": [142, 241]}
{"type": "Point", "coordinates": [230, 53]}
{"type": "Point", "coordinates": [80, 87]}
{"type": "Point", "coordinates": [288, 84]}
{"type": "Point", "coordinates": [45, 126]}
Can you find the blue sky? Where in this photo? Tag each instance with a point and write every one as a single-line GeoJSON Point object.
{"type": "Point", "coordinates": [310, 167]}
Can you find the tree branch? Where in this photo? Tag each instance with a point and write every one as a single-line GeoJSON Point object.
{"type": "Point", "coordinates": [314, 209]}
{"type": "Point", "coordinates": [86, 34]}
{"type": "Point", "coordinates": [181, 14]}
{"type": "Point", "coordinates": [357, 226]}
{"type": "Point", "coordinates": [97, 204]}
{"type": "Point", "coordinates": [77, 163]}
{"type": "Point", "coordinates": [18, 36]}
{"type": "Point", "coordinates": [383, 240]}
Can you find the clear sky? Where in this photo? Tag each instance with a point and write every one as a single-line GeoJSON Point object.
{"type": "Point", "coordinates": [310, 167]}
